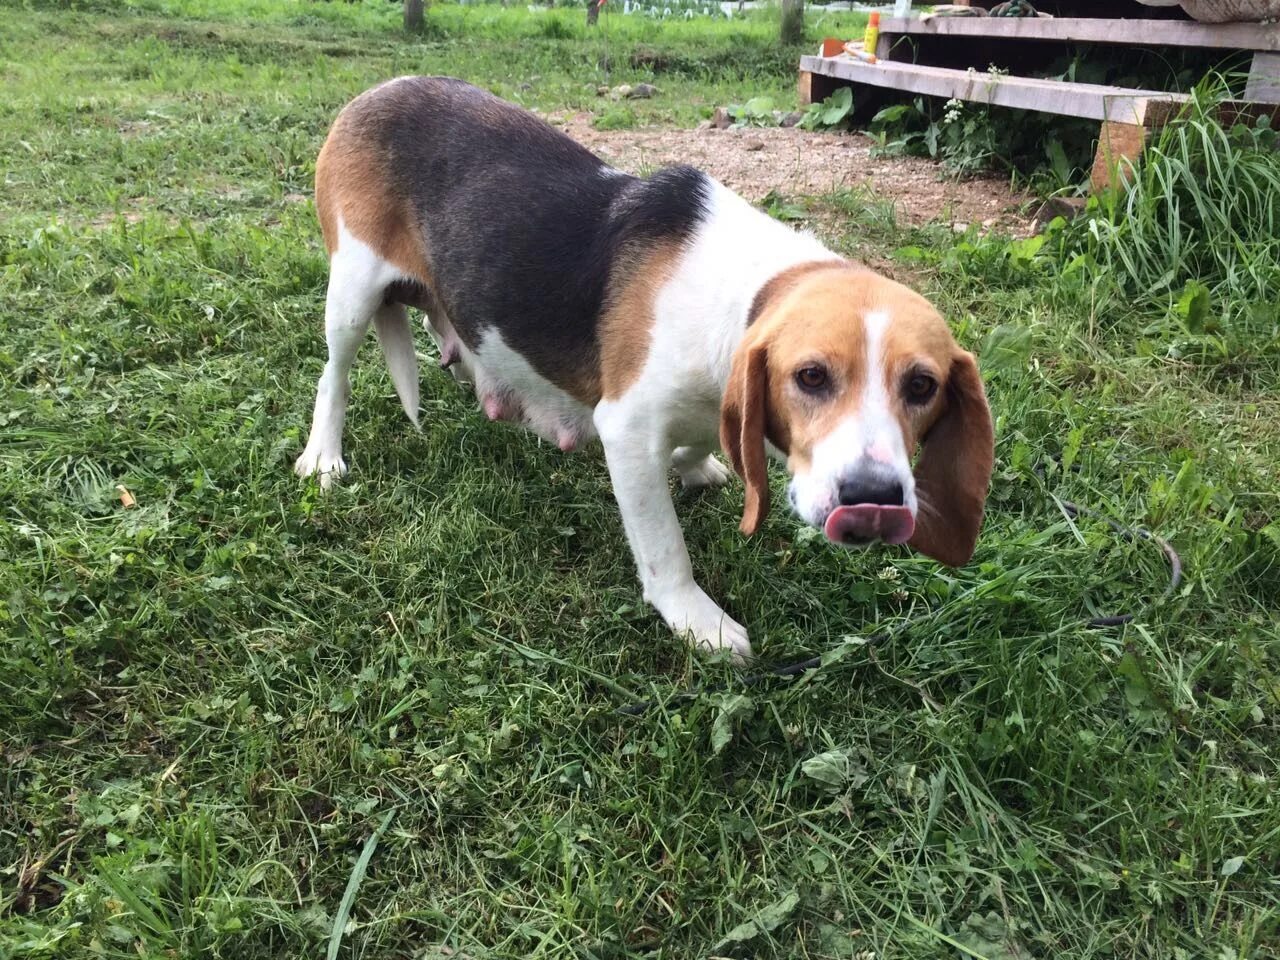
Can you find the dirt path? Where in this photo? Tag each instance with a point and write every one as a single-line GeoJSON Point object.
{"type": "Point", "coordinates": [797, 162]}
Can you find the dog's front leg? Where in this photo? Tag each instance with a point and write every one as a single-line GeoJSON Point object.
{"type": "Point", "coordinates": [638, 457]}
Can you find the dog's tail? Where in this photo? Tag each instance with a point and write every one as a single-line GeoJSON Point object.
{"type": "Point", "coordinates": [394, 335]}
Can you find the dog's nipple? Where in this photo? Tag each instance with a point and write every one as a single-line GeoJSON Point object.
{"type": "Point", "coordinates": [500, 406]}
{"type": "Point", "coordinates": [568, 438]}
{"type": "Point", "coordinates": [450, 353]}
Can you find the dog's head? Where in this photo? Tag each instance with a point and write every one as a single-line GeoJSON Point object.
{"type": "Point", "coordinates": [849, 373]}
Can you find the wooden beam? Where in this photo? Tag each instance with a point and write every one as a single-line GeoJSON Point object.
{"type": "Point", "coordinates": [1263, 85]}
{"type": "Point", "coordinates": [1120, 146]}
{"type": "Point", "coordinates": [1087, 100]}
{"type": "Point", "coordinates": [1148, 33]}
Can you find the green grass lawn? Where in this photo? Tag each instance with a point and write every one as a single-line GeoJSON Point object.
{"type": "Point", "coordinates": [213, 702]}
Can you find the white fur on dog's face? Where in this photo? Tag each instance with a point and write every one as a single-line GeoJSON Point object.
{"type": "Point", "coordinates": [866, 448]}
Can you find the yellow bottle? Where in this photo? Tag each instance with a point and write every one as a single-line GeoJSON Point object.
{"type": "Point", "coordinates": [872, 35]}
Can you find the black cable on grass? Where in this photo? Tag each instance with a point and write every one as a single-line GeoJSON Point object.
{"type": "Point", "coordinates": [1130, 534]}
{"type": "Point", "coordinates": [812, 663]}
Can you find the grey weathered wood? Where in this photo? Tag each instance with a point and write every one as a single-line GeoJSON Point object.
{"type": "Point", "coordinates": [1263, 85]}
{"type": "Point", "coordinates": [1147, 33]}
{"type": "Point", "coordinates": [1089, 100]}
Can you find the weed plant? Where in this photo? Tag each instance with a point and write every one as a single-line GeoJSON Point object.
{"type": "Point", "coordinates": [1198, 221]}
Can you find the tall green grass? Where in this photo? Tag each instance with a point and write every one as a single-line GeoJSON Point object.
{"type": "Point", "coordinates": [1195, 226]}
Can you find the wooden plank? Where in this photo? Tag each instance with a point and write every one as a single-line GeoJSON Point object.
{"type": "Point", "coordinates": [1148, 33]}
{"type": "Point", "coordinates": [1088, 100]}
{"type": "Point", "coordinates": [1263, 85]}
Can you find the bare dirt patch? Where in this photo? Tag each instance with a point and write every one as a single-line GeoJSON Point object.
{"type": "Point", "coordinates": [799, 163]}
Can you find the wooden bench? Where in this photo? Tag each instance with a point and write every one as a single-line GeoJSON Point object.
{"type": "Point", "coordinates": [1127, 115]}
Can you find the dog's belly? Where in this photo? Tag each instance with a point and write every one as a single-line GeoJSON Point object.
{"type": "Point", "coordinates": [508, 388]}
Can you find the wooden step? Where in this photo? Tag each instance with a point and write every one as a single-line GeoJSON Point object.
{"type": "Point", "coordinates": [1088, 100]}
{"type": "Point", "coordinates": [1143, 33]}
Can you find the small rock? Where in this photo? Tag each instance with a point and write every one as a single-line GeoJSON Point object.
{"type": "Point", "coordinates": [1066, 207]}
{"type": "Point", "coordinates": [720, 120]}
{"type": "Point", "coordinates": [620, 91]}
{"type": "Point", "coordinates": [791, 119]}
{"type": "Point", "coordinates": [524, 87]}
{"type": "Point", "coordinates": [753, 143]}
{"type": "Point", "coordinates": [705, 125]}
{"type": "Point", "coordinates": [642, 91]}
{"type": "Point", "coordinates": [988, 223]}
{"type": "Point", "coordinates": [959, 227]}
{"type": "Point", "coordinates": [602, 91]}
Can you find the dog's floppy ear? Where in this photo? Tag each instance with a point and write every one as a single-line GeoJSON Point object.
{"type": "Point", "coordinates": [954, 469]}
{"type": "Point", "coordinates": [743, 416]}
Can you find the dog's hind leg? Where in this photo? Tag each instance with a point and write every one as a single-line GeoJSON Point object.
{"type": "Point", "coordinates": [697, 468]}
{"type": "Point", "coordinates": [358, 279]}
{"type": "Point", "coordinates": [391, 323]}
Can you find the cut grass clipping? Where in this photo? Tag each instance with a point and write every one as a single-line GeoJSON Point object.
{"type": "Point", "coordinates": [214, 694]}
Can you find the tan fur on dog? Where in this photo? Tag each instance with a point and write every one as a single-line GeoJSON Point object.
{"type": "Point", "coordinates": [353, 186]}
{"type": "Point", "coordinates": [627, 320]}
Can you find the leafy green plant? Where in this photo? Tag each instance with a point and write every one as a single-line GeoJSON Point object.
{"type": "Point", "coordinates": [616, 117]}
{"type": "Point", "coordinates": [673, 9]}
{"type": "Point", "coordinates": [783, 208]}
{"type": "Point", "coordinates": [756, 112]}
{"type": "Point", "coordinates": [969, 138]}
{"type": "Point", "coordinates": [830, 113]}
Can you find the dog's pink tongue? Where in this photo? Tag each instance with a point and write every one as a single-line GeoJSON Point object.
{"type": "Point", "coordinates": [869, 521]}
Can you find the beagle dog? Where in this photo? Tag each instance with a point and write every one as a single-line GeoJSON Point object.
{"type": "Point", "coordinates": [663, 316]}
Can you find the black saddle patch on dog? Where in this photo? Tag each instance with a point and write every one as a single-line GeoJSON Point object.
{"type": "Point", "coordinates": [523, 226]}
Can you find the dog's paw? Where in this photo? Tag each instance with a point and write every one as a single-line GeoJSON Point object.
{"type": "Point", "coordinates": [324, 465]}
{"type": "Point", "coordinates": [694, 614]}
{"type": "Point", "coordinates": [707, 472]}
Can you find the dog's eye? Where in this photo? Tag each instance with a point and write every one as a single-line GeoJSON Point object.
{"type": "Point", "coordinates": [920, 388]}
{"type": "Point", "coordinates": [811, 378]}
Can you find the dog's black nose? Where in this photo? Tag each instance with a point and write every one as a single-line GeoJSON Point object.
{"type": "Point", "coordinates": [870, 491]}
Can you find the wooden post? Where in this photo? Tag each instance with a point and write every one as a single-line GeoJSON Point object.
{"type": "Point", "coordinates": [814, 87]}
{"type": "Point", "coordinates": [1263, 85]}
{"type": "Point", "coordinates": [792, 21]}
{"type": "Point", "coordinates": [414, 15]}
{"type": "Point", "coordinates": [1119, 146]}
